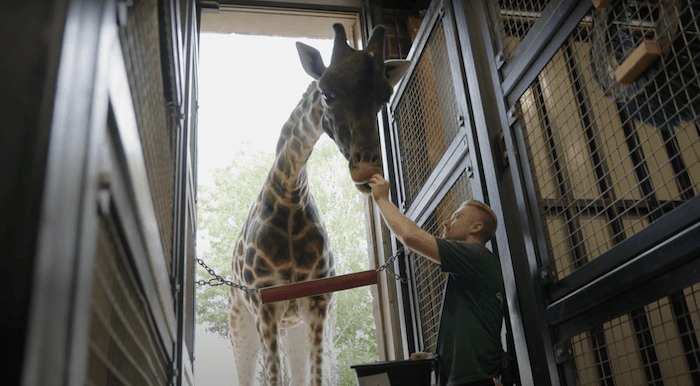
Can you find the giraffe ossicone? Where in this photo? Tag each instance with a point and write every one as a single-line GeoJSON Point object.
{"type": "Point", "coordinates": [283, 240]}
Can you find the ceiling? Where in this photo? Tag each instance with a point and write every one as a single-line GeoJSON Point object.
{"type": "Point", "coordinates": [294, 18]}
{"type": "Point", "coordinates": [343, 5]}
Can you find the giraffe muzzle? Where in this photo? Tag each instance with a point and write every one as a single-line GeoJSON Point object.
{"type": "Point", "coordinates": [361, 173]}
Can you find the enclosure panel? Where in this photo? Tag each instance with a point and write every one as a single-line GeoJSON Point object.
{"type": "Point", "coordinates": [657, 343]}
{"type": "Point", "coordinates": [558, 237]}
{"type": "Point", "coordinates": [585, 358]}
{"type": "Point", "coordinates": [541, 161]}
{"type": "Point", "coordinates": [140, 42]}
{"type": "Point", "coordinates": [608, 135]}
{"type": "Point", "coordinates": [560, 107]}
{"type": "Point", "coordinates": [515, 17]}
{"type": "Point", "coordinates": [606, 158]}
{"type": "Point", "coordinates": [429, 279]}
{"type": "Point", "coordinates": [426, 115]}
{"type": "Point", "coordinates": [123, 346]}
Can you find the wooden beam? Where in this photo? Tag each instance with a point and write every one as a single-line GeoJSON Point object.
{"type": "Point", "coordinates": [601, 4]}
{"type": "Point", "coordinates": [637, 62]}
{"type": "Point", "coordinates": [317, 287]}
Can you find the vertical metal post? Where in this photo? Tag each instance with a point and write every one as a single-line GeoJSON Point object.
{"type": "Point", "coordinates": [504, 191]}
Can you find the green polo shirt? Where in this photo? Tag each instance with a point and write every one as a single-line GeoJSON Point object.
{"type": "Point", "coordinates": [469, 340]}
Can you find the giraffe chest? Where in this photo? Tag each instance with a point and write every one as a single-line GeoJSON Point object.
{"type": "Point", "coordinates": [282, 244]}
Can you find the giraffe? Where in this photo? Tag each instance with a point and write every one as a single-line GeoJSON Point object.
{"type": "Point", "coordinates": [283, 239]}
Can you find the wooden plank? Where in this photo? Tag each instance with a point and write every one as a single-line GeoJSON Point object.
{"type": "Point", "coordinates": [317, 287]}
{"type": "Point", "coordinates": [601, 4]}
{"type": "Point", "coordinates": [637, 62]}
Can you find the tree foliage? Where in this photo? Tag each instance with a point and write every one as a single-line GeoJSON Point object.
{"type": "Point", "coordinates": [222, 209]}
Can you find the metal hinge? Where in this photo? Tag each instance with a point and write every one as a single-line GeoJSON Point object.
{"type": "Point", "coordinates": [104, 194]}
{"type": "Point", "coordinates": [500, 59]}
{"type": "Point", "coordinates": [563, 352]}
{"type": "Point", "coordinates": [545, 276]}
{"type": "Point", "coordinates": [502, 150]}
{"type": "Point", "coordinates": [122, 14]}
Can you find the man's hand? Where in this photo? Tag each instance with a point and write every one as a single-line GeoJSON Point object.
{"type": "Point", "coordinates": [410, 234]}
{"type": "Point", "coordinates": [380, 187]}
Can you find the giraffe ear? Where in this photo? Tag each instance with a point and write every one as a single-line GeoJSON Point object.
{"type": "Point", "coordinates": [395, 69]}
{"type": "Point", "coordinates": [311, 60]}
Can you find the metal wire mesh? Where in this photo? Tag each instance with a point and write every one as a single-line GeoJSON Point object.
{"type": "Point", "coordinates": [515, 17]}
{"type": "Point", "coordinates": [141, 47]}
{"type": "Point", "coordinates": [607, 158]}
{"type": "Point", "coordinates": [654, 345]}
{"type": "Point", "coordinates": [123, 347]}
{"type": "Point", "coordinates": [429, 279]}
{"type": "Point", "coordinates": [427, 117]}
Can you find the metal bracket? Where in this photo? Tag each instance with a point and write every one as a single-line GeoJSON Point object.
{"type": "Point", "coordinates": [511, 116]}
{"type": "Point", "coordinates": [500, 59]}
{"type": "Point", "coordinates": [545, 276]}
{"type": "Point", "coordinates": [122, 15]}
{"type": "Point", "coordinates": [563, 352]}
{"type": "Point", "coordinates": [104, 194]}
{"type": "Point", "coordinates": [502, 150]}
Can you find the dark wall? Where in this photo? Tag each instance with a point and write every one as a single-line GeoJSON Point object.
{"type": "Point", "coordinates": [31, 33]}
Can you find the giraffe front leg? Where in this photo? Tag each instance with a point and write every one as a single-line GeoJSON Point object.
{"type": "Point", "coordinates": [316, 320]}
{"type": "Point", "coordinates": [268, 327]}
{"type": "Point", "coordinates": [296, 349]}
{"type": "Point", "coordinates": [244, 340]}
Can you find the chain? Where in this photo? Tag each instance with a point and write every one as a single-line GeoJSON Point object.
{"type": "Point", "coordinates": [218, 280]}
{"type": "Point", "coordinates": [387, 267]}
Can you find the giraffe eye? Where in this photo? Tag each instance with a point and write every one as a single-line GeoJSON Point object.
{"type": "Point", "coordinates": [328, 97]}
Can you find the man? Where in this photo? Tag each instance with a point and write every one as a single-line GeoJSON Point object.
{"type": "Point", "coordinates": [469, 340]}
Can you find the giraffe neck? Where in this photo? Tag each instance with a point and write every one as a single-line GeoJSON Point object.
{"type": "Point", "coordinates": [287, 178]}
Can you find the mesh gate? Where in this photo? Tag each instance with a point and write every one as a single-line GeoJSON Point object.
{"type": "Point", "coordinates": [607, 160]}
{"type": "Point", "coordinates": [427, 121]}
{"type": "Point", "coordinates": [429, 279]}
{"type": "Point", "coordinates": [515, 17]}
{"type": "Point", "coordinates": [427, 118]}
{"type": "Point", "coordinates": [124, 348]}
{"type": "Point", "coordinates": [141, 47]}
{"type": "Point", "coordinates": [654, 345]}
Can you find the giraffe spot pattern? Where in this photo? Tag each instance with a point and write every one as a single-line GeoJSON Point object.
{"type": "Point", "coordinates": [308, 247]}
{"type": "Point", "coordinates": [298, 223]}
{"type": "Point", "coordinates": [278, 187]}
{"type": "Point", "coordinates": [286, 274]}
{"type": "Point", "coordinates": [248, 276]}
{"type": "Point", "coordinates": [281, 218]}
{"type": "Point", "coordinates": [250, 256]}
{"type": "Point", "coordinates": [252, 231]}
{"type": "Point", "coordinates": [262, 268]}
{"type": "Point", "coordinates": [276, 245]}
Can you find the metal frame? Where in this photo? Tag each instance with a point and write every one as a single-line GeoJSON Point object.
{"type": "Point", "coordinates": [55, 340]}
{"type": "Point", "coordinates": [658, 260]}
{"type": "Point", "coordinates": [434, 189]}
{"type": "Point", "coordinates": [513, 241]}
{"type": "Point", "coordinates": [183, 64]}
{"type": "Point", "coordinates": [92, 172]}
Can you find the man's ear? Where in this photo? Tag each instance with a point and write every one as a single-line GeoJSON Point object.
{"type": "Point", "coordinates": [476, 227]}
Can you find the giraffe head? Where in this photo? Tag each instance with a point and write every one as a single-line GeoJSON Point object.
{"type": "Point", "coordinates": [354, 88]}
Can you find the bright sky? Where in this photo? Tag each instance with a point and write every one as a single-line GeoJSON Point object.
{"type": "Point", "coordinates": [248, 87]}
